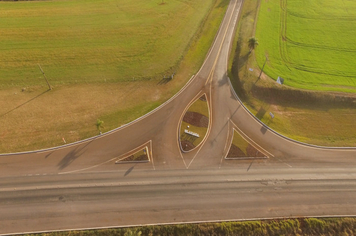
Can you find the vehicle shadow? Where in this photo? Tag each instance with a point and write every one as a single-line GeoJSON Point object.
{"type": "Point", "coordinates": [72, 156]}
{"type": "Point", "coordinates": [129, 170]}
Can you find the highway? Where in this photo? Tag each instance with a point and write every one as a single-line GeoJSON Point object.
{"type": "Point", "coordinates": [79, 186]}
{"type": "Point", "coordinates": [106, 199]}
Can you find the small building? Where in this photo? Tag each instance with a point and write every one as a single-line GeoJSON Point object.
{"type": "Point", "coordinates": [280, 80]}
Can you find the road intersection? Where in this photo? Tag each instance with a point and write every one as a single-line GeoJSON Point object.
{"type": "Point", "coordinates": [80, 186]}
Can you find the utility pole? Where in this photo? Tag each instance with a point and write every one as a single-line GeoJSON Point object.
{"type": "Point", "coordinates": [49, 86]}
{"type": "Point", "coordinates": [263, 67]}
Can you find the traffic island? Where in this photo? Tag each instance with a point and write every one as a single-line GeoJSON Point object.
{"type": "Point", "coordinates": [136, 156]}
{"type": "Point", "coordinates": [240, 149]}
{"type": "Point", "coordinates": [194, 125]}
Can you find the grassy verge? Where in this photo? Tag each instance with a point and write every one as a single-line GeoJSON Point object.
{"type": "Point", "coordinates": [32, 118]}
{"type": "Point", "coordinates": [318, 118]}
{"type": "Point", "coordinates": [297, 227]}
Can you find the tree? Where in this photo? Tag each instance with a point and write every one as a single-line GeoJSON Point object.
{"type": "Point", "coordinates": [99, 125]}
{"type": "Point", "coordinates": [252, 43]}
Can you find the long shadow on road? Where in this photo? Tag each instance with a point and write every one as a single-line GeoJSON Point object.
{"type": "Point", "coordinates": [72, 156]}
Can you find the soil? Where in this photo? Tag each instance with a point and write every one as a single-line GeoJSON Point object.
{"type": "Point", "coordinates": [237, 152]}
{"type": "Point", "coordinates": [142, 157]}
{"type": "Point", "coordinates": [203, 98]}
{"type": "Point", "coordinates": [196, 119]}
{"type": "Point", "coordinates": [186, 145]}
{"type": "Point", "coordinates": [253, 152]}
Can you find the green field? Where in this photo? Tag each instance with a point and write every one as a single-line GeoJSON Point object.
{"type": "Point", "coordinates": [86, 41]}
{"type": "Point", "coordinates": [311, 44]}
{"type": "Point", "coordinates": [315, 117]}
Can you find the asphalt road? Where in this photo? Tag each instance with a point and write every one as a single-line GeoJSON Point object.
{"type": "Point", "coordinates": [105, 199]}
{"type": "Point", "coordinates": [80, 186]}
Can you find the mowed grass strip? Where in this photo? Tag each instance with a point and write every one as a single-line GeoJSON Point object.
{"type": "Point", "coordinates": [311, 44]}
{"type": "Point", "coordinates": [89, 41]}
{"type": "Point", "coordinates": [36, 119]}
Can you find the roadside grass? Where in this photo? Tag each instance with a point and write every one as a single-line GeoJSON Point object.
{"type": "Point", "coordinates": [292, 227]}
{"type": "Point", "coordinates": [315, 117]}
{"type": "Point", "coordinates": [36, 118]}
{"type": "Point", "coordinates": [311, 44]}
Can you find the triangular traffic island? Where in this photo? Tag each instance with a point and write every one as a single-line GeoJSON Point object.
{"type": "Point", "coordinates": [240, 149]}
{"type": "Point", "coordinates": [194, 125]}
{"type": "Point", "coordinates": [137, 156]}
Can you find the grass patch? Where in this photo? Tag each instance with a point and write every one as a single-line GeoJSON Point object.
{"type": "Point", "coordinates": [292, 227]}
{"type": "Point", "coordinates": [319, 118]}
{"type": "Point", "coordinates": [92, 75]}
{"type": "Point", "coordinates": [239, 141]}
{"type": "Point", "coordinates": [241, 148]}
{"type": "Point", "coordinates": [139, 156]}
{"type": "Point", "coordinates": [311, 44]}
{"type": "Point", "coordinates": [195, 120]}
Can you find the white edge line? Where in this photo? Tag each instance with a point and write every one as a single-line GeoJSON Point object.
{"type": "Point", "coordinates": [226, 143]}
{"type": "Point", "coordinates": [232, 138]}
{"type": "Point", "coordinates": [91, 167]}
{"type": "Point", "coordinates": [151, 151]}
{"type": "Point", "coordinates": [196, 97]}
{"type": "Point", "coordinates": [134, 150]}
{"type": "Point", "coordinates": [88, 168]}
{"type": "Point", "coordinates": [201, 144]}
